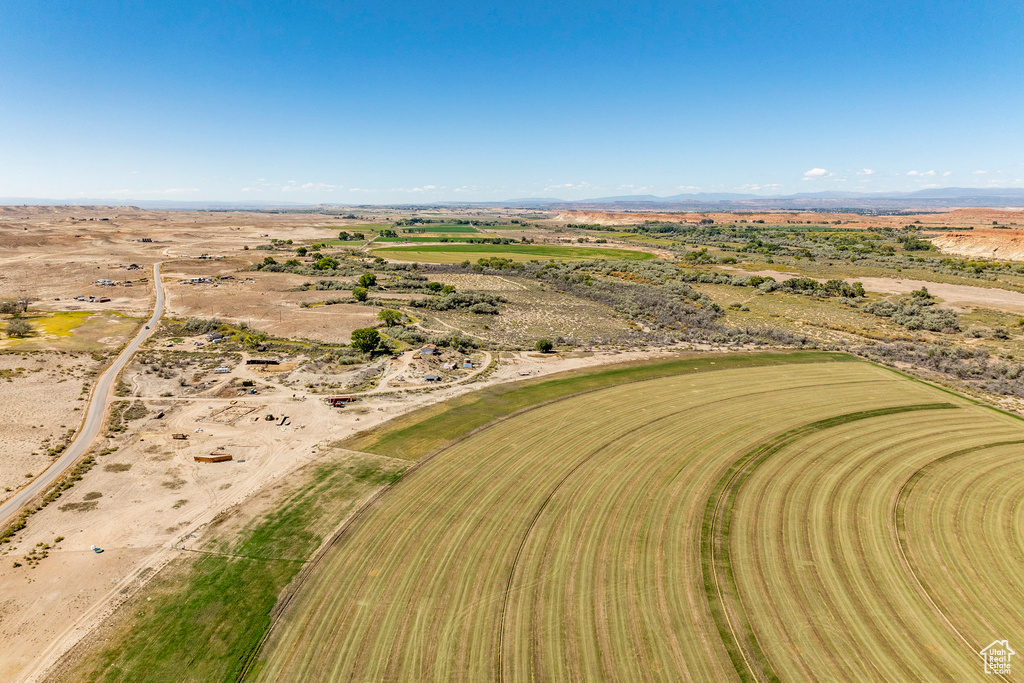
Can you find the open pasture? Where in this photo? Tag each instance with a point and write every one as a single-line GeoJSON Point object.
{"type": "Point", "coordinates": [455, 253]}
{"type": "Point", "coordinates": [816, 521]}
{"type": "Point", "coordinates": [447, 228]}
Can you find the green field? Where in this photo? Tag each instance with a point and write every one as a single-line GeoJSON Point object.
{"type": "Point", "coordinates": [455, 253]}
{"type": "Point", "coordinates": [453, 229]}
{"type": "Point", "coordinates": [761, 521]}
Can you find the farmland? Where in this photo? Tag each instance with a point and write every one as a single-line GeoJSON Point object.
{"type": "Point", "coordinates": [455, 253]}
{"type": "Point", "coordinates": [743, 523]}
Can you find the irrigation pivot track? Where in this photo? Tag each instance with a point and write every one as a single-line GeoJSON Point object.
{"type": "Point", "coordinates": [94, 412]}
{"type": "Point", "coordinates": [750, 524]}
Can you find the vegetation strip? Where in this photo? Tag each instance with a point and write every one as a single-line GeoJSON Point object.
{"type": "Point", "coordinates": [739, 638]}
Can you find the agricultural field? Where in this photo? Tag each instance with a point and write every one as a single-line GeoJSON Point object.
{"type": "Point", "coordinates": [456, 253]}
{"type": "Point", "coordinates": [743, 523]}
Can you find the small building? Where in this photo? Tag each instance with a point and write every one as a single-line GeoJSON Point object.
{"type": "Point", "coordinates": [213, 457]}
{"type": "Point", "coordinates": [428, 350]}
{"type": "Point", "coordinates": [179, 437]}
{"type": "Point", "coordinates": [432, 378]}
{"type": "Point", "coordinates": [467, 364]}
{"type": "Point", "coordinates": [262, 361]}
{"type": "Point", "coordinates": [221, 370]}
{"type": "Point", "coordinates": [340, 401]}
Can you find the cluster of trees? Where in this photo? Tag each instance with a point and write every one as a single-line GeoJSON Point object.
{"type": "Point", "coordinates": [475, 302]}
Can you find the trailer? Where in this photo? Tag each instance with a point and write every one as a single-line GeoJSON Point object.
{"type": "Point", "coordinates": [179, 437]}
{"type": "Point", "coordinates": [340, 401]}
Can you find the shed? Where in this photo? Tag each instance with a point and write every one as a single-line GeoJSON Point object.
{"type": "Point", "coordinates": [432, 378]}
{"type": "Point", "coordinates": [213, 457]}
{"type": "Point", "coordinates": [428, 350]}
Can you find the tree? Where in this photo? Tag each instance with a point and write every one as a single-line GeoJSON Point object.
{"type": "Point", "coordinates": [366, 339]}
{"type": "Point", "coordinates": [326, 263]}
{"type": "Point", "coordinates": [358, 236]}
{"type": "Point", "coordinates": [367, 280]}
{"type": "Point", "coordinates": [360, 293]}
{"type": "Point", "coordinates": [269, 261]}
{"type": "Point", "coordinates": [343, 236]}
{"type": "Point", "coordinates": [19, 328]}
{"type": "Point", "coordinates": [301, 251]}
{"type": "Point", "coordinates": [389, 316]}
{"type": "Point", "coordinates": [544, 345]}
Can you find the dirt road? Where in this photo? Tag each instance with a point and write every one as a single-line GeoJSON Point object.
{"type": "Point", "coordinates": [93, 416]}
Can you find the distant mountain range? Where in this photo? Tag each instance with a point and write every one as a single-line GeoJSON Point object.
{"type": "Point", "coordinates": [933, 199]}
{"type": "Point", "coordinates": [930, 199]}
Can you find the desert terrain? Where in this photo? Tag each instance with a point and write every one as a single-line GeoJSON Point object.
{"type": "Point", "coordinates": [261, 326]}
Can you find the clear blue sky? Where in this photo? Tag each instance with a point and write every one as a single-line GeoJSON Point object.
{"type": "Point", "coordinates": [363, 102]}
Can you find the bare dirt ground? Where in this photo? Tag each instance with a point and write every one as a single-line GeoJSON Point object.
{"type": "Point", "coordinates": [42, 395]}
{"type": "Point", "coordinates": [988, 244]}
{"type": "Point", "coordinates": [269, 303]}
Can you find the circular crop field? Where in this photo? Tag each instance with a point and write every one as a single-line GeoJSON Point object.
{"type": "Point", "coordinates": [820, 521]}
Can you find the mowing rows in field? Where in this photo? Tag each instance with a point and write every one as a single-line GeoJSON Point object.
{"type": "Point", "coordinates": [731, 525]}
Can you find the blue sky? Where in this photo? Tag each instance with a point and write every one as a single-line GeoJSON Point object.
{"type": "Point", "coordinates": [360, 102]}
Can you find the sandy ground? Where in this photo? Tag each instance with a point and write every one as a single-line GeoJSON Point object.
{"type": "Point", "coordinates": [269, 303]}
{"type": "Point", "coordinates": [40, 400]}
{"type": "Point", "coordinates": [988, 244]}
{"type": "Point", "coordinates": [155, 498]}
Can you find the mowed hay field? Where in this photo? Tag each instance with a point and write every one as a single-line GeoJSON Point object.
{"type": "Point", "coordinates": [814, 521]}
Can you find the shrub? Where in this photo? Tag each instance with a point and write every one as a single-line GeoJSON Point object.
{"type": "Point", "coordinates": [19, 328]}
{"type": "Point", "coordinates": [544, 345]}
{"type": "Point", "coordinates": [360, 293]}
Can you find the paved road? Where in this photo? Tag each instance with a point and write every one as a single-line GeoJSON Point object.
{"type": "Point", "coordinates": [101, 396]}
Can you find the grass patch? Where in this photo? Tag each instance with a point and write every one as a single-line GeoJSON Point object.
{"type": "Point", "coordinates": [414, 435]}
{"type": "Point", "coordinates": [455, 253]}
{"type": "Point", "coordinates": [202, 617]}
{"type": "Point", "coordinates": [436, 228]}
{"type": "Point", "coordinates": [61, 324]}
